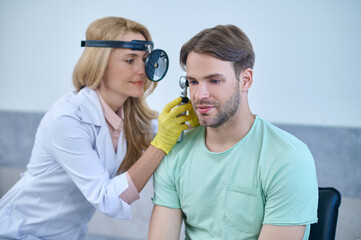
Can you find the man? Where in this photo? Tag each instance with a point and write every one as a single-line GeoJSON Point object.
{"type": "Point", "coordinates": [236, 176]}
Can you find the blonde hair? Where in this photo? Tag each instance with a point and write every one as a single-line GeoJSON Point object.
{"type": "Point", "coordinates": [90, 69]}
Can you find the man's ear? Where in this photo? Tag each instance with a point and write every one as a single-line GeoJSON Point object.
{"type": "Point", "coordinates": [246, 79]}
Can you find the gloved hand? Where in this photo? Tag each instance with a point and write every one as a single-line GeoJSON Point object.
{"type": "Point", "coordinates": [194, 122]}
{"type": "Point", "coordinates": [171, 124]}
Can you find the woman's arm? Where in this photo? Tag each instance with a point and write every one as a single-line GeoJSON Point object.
{"type": "Point", "coordinates": [171, 125]}
{"type": "Point", "coordinates": [143, 169]}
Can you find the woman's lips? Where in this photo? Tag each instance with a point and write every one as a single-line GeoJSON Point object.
{"type": "Point", "coordinates": [138, 83]}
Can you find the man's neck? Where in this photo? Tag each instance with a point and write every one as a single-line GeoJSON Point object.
{"type": "Point", "coordinates": [224, 137]}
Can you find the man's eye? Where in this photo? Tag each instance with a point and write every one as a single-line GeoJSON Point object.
{"type": "Point", "coordinates": [215, 81]}
{"type": "Point", "coordinates": [130, 61]}
{"type": "Point", "coordinates": [192, 82]}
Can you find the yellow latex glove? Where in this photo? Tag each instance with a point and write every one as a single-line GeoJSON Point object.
{"type": "Point", "coordinates": [171, 125]}
{"type": "Point", "coordinates": [194, 122]}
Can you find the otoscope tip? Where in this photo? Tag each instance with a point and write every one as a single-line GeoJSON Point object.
{"type": "Point", "coordinates": [185, 100]}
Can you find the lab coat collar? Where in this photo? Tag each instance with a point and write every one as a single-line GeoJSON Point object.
{"type": "Point", "coordinates": [90, 108]}
{"type": "Point", "coordinates": [92, 113]}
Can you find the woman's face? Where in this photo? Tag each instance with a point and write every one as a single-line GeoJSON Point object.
{"type": "Point", "coordinates": [125, 73]}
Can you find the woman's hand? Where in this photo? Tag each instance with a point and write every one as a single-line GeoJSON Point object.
{"type": "Point", "coordinates": [194, 122]}
{"type": "Point", "coordinates": [171, 124]}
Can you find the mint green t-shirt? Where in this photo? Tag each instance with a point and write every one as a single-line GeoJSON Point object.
{"type": "Point", "coordinates": [268, 177]}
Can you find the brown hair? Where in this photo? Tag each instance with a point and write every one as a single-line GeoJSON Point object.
{"type": "Point", "coordinates": [90, 69]}
{"type": "Point", "coordinates": [225, 42]}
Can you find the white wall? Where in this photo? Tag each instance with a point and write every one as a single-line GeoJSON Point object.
{"type": "Point", "coordinates": [308, 53]}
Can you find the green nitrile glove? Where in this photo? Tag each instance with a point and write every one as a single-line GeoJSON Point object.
{"type": "Point", "coordinates": [170, 125]}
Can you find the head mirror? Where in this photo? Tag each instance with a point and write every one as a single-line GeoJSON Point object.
{"type": "Point", "coordinates": [156, 63]}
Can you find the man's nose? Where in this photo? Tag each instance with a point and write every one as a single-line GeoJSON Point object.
{"type": "Point", "coordinates": [201, 91]}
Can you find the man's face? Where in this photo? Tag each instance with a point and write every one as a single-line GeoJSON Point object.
{"type": "Point", "coordinates": [214, 89]}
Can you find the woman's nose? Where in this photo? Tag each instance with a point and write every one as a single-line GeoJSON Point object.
{"type": "Point", "coordinates": [141, 67]}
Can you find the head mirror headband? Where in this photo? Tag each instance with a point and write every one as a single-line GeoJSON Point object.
{"type": "Point", "coordinates": [156, 63]}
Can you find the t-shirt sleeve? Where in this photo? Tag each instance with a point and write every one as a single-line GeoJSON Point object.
{"type": "Point", "coordinates": [291, 189]}
{"type": "Point", "coordinates": [165, 192]}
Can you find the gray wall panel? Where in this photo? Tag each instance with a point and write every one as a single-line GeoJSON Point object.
{"type": "Point", "coordinates": [337, 151]}
{"type": "Point", "coordinates": [337, 154]}
{"type": "Point", "coordinates": [17, 137]}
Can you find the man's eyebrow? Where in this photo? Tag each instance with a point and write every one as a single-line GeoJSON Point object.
{"type": "Point", "coordinates": [190, 78]}
{"type": "Point", "coordinates": [213, 75]}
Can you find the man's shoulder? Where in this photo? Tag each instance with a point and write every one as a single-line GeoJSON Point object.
{"type": "Point", "coordinates": [190, 138]}
{"type": "Point", "coordinates": [278, 137]}
{"type": "Point", "coordinates": [282, 148]}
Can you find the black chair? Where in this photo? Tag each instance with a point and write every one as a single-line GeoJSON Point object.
{"type": "Point", "coordinates": [329, 200]}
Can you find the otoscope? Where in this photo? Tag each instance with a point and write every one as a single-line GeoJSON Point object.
{"type": "Point", "coordinates": [183, 83]}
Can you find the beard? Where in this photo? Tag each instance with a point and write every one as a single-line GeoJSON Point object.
{"type": "Point", "coordinates": [225, 110]}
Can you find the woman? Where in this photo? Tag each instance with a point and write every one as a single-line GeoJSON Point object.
{"type": "Point", "coordinates": [92, 149]}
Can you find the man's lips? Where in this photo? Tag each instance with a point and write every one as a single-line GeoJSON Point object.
{"type": "Point", "coordinates": [204, 109]}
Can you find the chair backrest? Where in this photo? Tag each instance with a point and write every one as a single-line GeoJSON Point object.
{"type": "Point", "coordinates": [329, 200]}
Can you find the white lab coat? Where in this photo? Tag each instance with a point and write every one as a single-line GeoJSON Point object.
{"type": "Point", "coordinates": [71, 172]}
